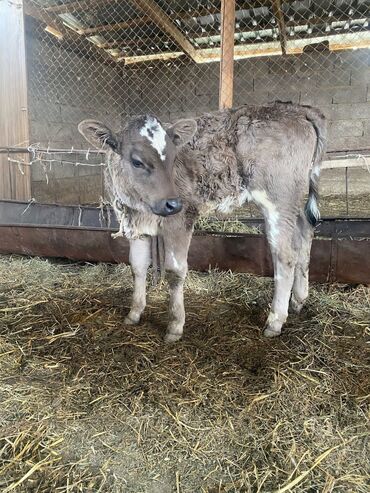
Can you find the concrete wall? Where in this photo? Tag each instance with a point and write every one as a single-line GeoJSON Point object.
{"type": "Point", "coordinates": [338, 83]}
{"type": "Point", "coordinates": [65, 88]}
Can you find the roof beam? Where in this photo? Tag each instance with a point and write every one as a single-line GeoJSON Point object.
{"type": "Point", "coordinates": [68, 8]}
{"type": "Point", "coordinates": [163, 21]}
{"type": "Point", "coordinates": [67, 35]}
{"type": "Point", "coordinates": [104, 28]}
{"type": "Point", "coordinates": [279, 16]}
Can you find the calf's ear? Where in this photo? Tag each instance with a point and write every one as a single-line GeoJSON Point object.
{"type": "Point", "coordinates": [98, 134]}
{"type": "Point", "coordinates": [182, 131]}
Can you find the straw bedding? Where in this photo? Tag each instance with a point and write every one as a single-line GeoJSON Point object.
{"type": "Point", "coordinates": [91, 405]}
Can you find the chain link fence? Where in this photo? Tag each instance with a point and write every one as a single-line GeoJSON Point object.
{"type": "Point", "coordinates": [110, 59]}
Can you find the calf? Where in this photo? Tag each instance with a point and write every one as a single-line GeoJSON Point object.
{"type": "Point", "coordinates": [162, 178]}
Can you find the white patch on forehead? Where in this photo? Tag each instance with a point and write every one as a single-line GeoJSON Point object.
{"type": "Point", "coordinates": [269, 209]}
{"type": "Point", "coordinates": [156, 135]}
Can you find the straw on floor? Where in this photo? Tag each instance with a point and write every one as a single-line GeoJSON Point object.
{"type": "Point", "coordinates": [91, 405]}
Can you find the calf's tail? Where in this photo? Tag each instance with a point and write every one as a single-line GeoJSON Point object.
{"type": "Point", "coordinates": [318, 121]}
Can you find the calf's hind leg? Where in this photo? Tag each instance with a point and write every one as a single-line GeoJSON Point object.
{"type": "Point", "coordinates": [140, 258]}
{"type": "Point", "coordinates": [284, 259]}
{"type": "Point", "coordinates": [302, 243]}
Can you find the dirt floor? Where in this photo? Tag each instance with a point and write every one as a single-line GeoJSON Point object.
{"type": "Point", "coordinates": [91, 405]}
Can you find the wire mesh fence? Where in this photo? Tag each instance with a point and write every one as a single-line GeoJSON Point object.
{"type": "Point", "coordinates": [110, 59]}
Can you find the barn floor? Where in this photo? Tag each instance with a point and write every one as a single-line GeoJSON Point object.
{"type": "Point", "coordinates": [91, 405]}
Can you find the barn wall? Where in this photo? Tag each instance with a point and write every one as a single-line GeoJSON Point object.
{"type": "Point", "coordinates": [65, 88]}
{"type": "Point", "coordinates": [336, 82]}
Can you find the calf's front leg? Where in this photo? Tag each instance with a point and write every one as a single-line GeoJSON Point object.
{"type": "Point", "coordinates": [176, 266]}
{"type": "Point", "coordinates": [140, 258]}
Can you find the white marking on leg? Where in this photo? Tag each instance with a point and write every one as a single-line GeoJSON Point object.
{"type": "Point", "coordinates": [175, 262]}
{"type": "Point", "coordinates": [279, 272]}
{"type": "Point", "coordinates": [156, 135]}
{"type": "Point", "coordinates": [261, 199]}
{"type": "Point", "coordinates": [273, 317]}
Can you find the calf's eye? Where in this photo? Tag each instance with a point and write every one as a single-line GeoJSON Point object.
{"type": "Point", "coordinates": [136, 163]}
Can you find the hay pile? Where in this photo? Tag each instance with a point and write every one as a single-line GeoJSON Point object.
{"type": "Point", "coordinates": [335, 205]}
{"type": "Point", "coordinates": [91, 405]}
{"type": "Point", "coordinates": [225, 225]}
{"type": "Point", "coordinates": [330, 206]}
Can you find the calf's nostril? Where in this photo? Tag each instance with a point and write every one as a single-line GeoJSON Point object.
{"type": "Point", "coordinates": [173, 205]}
{"type": "Point", "coordinates": [170, 205]}
{"type": "Point", "coordinates": [167, 207]}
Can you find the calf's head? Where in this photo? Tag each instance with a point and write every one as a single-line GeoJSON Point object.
{"type": "Point", "coordinates": [140, 160]}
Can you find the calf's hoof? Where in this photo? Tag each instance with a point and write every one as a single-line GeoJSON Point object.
{"type": "Point", "coordinates": [172, 337]}
{"type": "Point", "coordinates": [273, 325]}
{"type": "Point", "coordinates": [295, 306]}
{"type": "Point", "coordinates": [271, 332]}
{"type": "Point", "coordinates": [131, 320]}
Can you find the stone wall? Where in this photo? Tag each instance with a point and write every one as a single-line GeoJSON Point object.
{"type": "Point", "coordinates": [65, 88]}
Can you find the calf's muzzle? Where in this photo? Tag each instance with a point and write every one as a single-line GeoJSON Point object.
{"type": "Point", "coordinates": [167, 207]}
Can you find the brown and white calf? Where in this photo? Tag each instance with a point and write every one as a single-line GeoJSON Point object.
{"type": "Point", "coordinates": [161, 178]}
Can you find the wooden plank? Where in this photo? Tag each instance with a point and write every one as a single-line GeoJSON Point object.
{"type": "Point", "coordinates": [279, 16]}
{"type": "Point", "coordinates": [15, 181]}
{"type": "Point", "coordinates": [196, 12]}
{"type": "Point", "coordinates": [69, 7]}
{"type": "Point", "coordinates": [105, 28]}
{"type": "Point", "coordinates": [226, 89]}
{"type": "Point", "coordinates": [358, 162]}
{"type": "Point", "coordinates": [130, 60]}
{"type": "Point", "coordinates": [236, 252]}
{"type": "Point", "coordinates": [163, 21]}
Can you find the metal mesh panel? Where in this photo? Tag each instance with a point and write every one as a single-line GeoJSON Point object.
{"type": "Point", "coordinates": [109, 59]}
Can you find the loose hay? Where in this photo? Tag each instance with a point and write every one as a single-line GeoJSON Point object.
{"type": "Point", "coordinates": [91, 405]}
{"type": "Point", "coordinates": [225, 225]}
{"type": "Point", "coordinates": [330, 206]}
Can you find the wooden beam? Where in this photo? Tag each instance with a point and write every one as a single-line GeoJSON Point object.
{"type": "Point", "coordinates": [295, 47]}
{"type": "Point", "coordinates": [163, 21]}
{"type": "Point", "coordinates": [15, 181]}
{"type": "Point", "coordinates": [68, 35]}
{"type": "Point", "coordinates": [279, 16]}
{"type": "Point", "coordinates": [66, 8]}
{"type": "Point", "coordinates": [358, 162]}
{"type": "Point", "coordinates": [105, 28]}
{"type": "Point", "coordinates": [196, 12]}
{"type": "Point", "coordinates": [130, 60]}
{"type": "Point", "coordinates": [226, 88]}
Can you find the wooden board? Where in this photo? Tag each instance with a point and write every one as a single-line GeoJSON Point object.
{"type": "Point", "coordinates": [15, 181]}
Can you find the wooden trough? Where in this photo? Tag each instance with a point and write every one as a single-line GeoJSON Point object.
{"type": "Point", "coordinates": [340, 251]}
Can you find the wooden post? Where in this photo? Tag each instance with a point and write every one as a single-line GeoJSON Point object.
{"type": "Point", "coordinates": [15, 180]}
{"type": "Point", "coordinates": [227, 54]}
